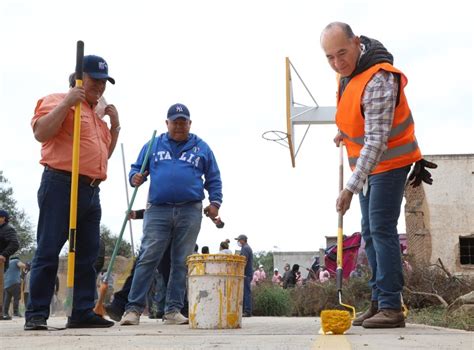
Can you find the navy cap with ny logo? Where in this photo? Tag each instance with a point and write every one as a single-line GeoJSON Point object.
{"type": "Point", "coordinates": [178, 110]}
{"type": "Point", "coordinates": [97, 68]}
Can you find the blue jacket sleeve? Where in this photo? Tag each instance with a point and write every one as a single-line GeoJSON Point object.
{"type": "Point", "coordinates": [138, 164]}
{"type": "Point", "coordinates": [213, 183]}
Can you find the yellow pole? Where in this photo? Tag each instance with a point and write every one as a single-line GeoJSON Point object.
{"type": "Point", "coordinates": [340, 239]}
{"type": "Point", "coordinates": [71, 259]}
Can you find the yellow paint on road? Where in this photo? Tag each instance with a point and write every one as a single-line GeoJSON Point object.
{"type": "Point", "coordinates": [331, 342]}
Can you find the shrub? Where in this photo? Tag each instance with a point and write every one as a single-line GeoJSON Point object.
{"type": "Point", "coordinates": [436, 280]}
{"type": "Point", "coordinates": [270, 300]}
{"type": "Point", "coordinates": [314, 297]}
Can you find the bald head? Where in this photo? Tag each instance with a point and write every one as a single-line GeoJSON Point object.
{"type": "Point", "coordinates": [341, 46]}
{"type": "Point", "coordinates": [344, 27]}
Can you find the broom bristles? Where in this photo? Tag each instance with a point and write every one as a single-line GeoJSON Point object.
{"type": "Point", "coordinates": [99, 308]}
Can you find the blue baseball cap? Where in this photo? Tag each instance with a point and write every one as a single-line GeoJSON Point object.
{"type": "Point", "coordinates": [178, 110]}
{"type": "Point", "coordinates": [97, 68]}
{"type": "Point", "coordinates": [4, 214]}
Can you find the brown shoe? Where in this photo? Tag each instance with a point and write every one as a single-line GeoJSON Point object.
{"type": "Point", "coordinates": [385, 318]}
{"type": "Point", "coordinates": [373, 309]}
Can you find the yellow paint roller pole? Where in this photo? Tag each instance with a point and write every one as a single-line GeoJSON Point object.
{"type": "Point", "coordinates": [71, 258]}
{"type": "Point", "coordinates": [338, 321]}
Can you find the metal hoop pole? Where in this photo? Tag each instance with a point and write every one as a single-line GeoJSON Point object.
{"type": "Point", "coordinates": [128, 200]}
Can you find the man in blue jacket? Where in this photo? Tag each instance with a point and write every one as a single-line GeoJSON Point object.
{"type": "Point", "coordinates": [177, 165]}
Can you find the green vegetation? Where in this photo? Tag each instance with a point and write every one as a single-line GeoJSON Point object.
{"type": "Point", "coordinates": [269, 300]}
{"type": "Point", "coordinates": [125, 248]}
{"type": "Point", "coordinates": [429, 289]}
{"type": "Point", "coordinates": [18, 219]}
{"type": "Point", "coordinates": [265, 259]}
{"type": "Point", "coordinates": [438, 316]}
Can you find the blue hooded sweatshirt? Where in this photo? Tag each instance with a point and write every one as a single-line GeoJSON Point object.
{"type": "Point", "coordinates": [177, 170]}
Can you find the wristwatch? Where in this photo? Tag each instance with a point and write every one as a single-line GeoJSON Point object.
{"type": "Point", "coordinates": [116, 129]}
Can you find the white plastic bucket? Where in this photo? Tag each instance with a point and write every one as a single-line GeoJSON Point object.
{"type": "Point", "coordinates": [215, 290]}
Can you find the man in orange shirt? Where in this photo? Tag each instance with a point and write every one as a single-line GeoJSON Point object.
{"type": "Point", "coordinates": [53, 126]}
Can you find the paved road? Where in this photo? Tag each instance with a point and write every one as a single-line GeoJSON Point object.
{"type": "Point", "coordinates": [275, 333]}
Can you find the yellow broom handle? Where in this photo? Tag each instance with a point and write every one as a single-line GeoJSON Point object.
{"type": "Point", "coordinates": [71, 260]}
{"type": "Point", "coordinates": [74, 190]}
{"type": "Point", "coordinates": [340, 219]}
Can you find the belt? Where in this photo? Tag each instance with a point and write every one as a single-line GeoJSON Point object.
{"type": "Point", "coordinates": [179, 204]}
{"type": "Point", "coordinates": [82, 178]}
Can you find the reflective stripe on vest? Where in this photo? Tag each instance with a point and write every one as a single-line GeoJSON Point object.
{"type": "Point", "coordinates": [391, 153]}
{"type": "Point", "coordinates": [393, 133]}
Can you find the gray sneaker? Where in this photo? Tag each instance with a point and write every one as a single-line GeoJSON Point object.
{"type": "Point", "coordinates": [175, 317]}
{"type": "Point", "coordinates": [131, 318]}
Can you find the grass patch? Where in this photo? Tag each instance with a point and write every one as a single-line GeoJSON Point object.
{"type": "Point", "coordinates": [438, 316]}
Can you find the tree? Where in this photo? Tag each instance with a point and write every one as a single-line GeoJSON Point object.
{"type": "Point", "coordinates": [125, 248]}
{"type": "Point", "coordinates": [18, 218]}
{"type": "Point", "coordinates": [265, 259]}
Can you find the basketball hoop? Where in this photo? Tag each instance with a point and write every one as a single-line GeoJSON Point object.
{"type": "Point", "coordinates": [277, 136]}
{"type": "Point", "coordinates": [298, 114]}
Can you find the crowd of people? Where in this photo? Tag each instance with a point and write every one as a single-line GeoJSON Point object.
{"type": "Point", "coordinates": [291, 276]}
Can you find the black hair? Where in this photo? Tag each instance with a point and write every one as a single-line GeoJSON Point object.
{"type": "Point", "coordinates": [205, 250]}
{"type": "Point", "coordinates": [72, 80]}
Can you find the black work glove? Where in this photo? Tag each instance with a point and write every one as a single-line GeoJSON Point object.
{"type": "Point", "coordinates": [419, 173]}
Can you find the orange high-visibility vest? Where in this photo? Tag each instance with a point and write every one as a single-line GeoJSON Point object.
{"type": "Point", "coordinates": [402, 146]}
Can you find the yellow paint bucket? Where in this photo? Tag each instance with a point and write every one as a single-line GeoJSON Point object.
{"type": "Point", "coordinates": [215, 290]}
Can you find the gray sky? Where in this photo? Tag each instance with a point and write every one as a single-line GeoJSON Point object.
{"type": "Point", "coordinates": [225, 61]}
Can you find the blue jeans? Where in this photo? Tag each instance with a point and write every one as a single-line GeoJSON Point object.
{"type": "Point", "coordinates": [52, 233]}
{"type": "Point", "coordinates": [176, 226]}
{"type": "Point", "coordinates": [247, 295]}
{"type": "Point", "coordinates": [380, 212]}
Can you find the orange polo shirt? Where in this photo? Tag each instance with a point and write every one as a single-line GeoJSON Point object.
{"type": "Point", "coordinates": [94, 144]}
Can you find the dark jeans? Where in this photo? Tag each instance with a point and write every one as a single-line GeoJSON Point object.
{"type": "Point", "coordinates": [380, 212]}
{"type": "Point", "coordinates": [121, 297]}
{"type": "Point", "coordinates": [52, 233]}
{"type": "Point", "coordinates": [159, 295]}
{"type": "Point", "coordinates": [26, 296]}
{"type": "Point", "coordinates": [12, 292]}
{"type": "Point", "coordinates": [247, 295]}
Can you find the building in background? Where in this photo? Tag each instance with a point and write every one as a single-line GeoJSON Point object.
{"type": "Point", "coordinates": [440, 218]}
{"type": "Point", "coordinates": [304, 259]}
